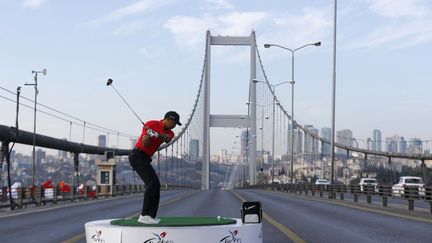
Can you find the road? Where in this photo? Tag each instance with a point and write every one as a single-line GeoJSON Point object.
{"type": "Point", "coordinates": [287, 217]}
{"type": "Point", "coordinates": [321, 221]}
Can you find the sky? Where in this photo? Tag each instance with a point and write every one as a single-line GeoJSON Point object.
{"type": "Point", "coordinates": [153, 50]}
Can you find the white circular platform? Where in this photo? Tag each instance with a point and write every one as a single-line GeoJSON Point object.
{"type": "Point", "coordinates": [102, 231]}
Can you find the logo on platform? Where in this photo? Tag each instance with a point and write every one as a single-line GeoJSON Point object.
{"type": "Point", "coordinates": [159, 238]}
{"type": "Point", "coordinates": [231, 238]}
{"type": "Point", "coordinates": [98, 237]}
{"type": "Point", "coordinates": [250, 207]}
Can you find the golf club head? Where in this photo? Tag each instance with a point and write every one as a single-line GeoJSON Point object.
{"type": "Point", "coordinates": [109, 82]}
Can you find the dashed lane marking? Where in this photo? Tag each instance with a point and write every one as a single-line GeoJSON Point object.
{"type": "Point", "coordinates": [285, 230]}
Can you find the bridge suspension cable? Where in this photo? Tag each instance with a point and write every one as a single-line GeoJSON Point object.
{"type": "Point", "coordinates": [325, 141]}
{"type": "Point", "coordinates": [80, 122]}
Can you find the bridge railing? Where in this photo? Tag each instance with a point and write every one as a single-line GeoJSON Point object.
{"type": "Point", "coordinates": [39, 196]}
{"type": "Point", "coordinates": [411, 194]}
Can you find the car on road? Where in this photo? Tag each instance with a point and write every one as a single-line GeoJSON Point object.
{"type": "Point", "coordinates": [322, 182]}
{"type": "Point", "coordinates": [368, 182]}
{"type": "Point", "coordinates": [405, 182]}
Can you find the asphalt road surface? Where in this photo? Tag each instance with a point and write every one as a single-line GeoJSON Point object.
{"type": "Point", "coordinates": [287, 217]}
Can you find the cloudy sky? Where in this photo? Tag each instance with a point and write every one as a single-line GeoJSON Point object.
{"type": "Point", "coordinates": [153, 50]}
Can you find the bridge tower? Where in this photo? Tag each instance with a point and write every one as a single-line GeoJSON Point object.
{"type": "Point", "coordinates": [246, 120]}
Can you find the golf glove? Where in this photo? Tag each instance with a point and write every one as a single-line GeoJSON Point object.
{"type": "Point", "coordinates": [152, 133]}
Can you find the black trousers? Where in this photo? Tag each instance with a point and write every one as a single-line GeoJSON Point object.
{"type": "Point", "coordinates": [140, 162]}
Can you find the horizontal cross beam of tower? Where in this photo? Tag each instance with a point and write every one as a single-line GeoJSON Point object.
{"type": "Point", "coordinates": [230, 121]}
{"type": "Point", "coordinates": [231, 41]}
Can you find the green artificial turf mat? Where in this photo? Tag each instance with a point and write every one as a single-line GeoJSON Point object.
{"type": "Point", "coordinates": [177, 221]}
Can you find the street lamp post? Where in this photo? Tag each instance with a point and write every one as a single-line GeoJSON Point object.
{"type": "Point", "coordinates": [44, 72]}
{"type": "Point", "coordinates": [262, 142]}
{"type": "Point", "coordinates": [262, 130]}
{"type": "Point", "coordinates": [273, 86]}
{"type": "Point", "coordinates": [292, 97]}
{"type": "Point", "coordinates": [262, 139]}
{"type": "Point", "coordinates": [333, 92]}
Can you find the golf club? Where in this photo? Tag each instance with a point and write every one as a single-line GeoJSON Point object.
{"type": "Point", "coordinates": [110, 83]}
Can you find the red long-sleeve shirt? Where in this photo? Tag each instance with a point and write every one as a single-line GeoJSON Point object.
{"type": "Point", "coordinates": [158, 127]}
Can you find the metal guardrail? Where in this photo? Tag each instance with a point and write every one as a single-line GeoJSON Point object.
{"type": "Point", "coordinates": [38, 195]}
{"type": "Point", "coordinates": [410, 193]}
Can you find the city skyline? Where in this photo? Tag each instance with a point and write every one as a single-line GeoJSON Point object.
{"type": "Point", "coordinates": [343, 137]}
{"type": "Point", "coordinates": [382, 70]}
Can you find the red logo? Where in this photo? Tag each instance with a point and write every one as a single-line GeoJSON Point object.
{"type": "Point", "coordinates": [231, 238]}
{"type": "Point", "coordinates": [159, 238]}
{"type": "Point", "coordinates": [98, 237]}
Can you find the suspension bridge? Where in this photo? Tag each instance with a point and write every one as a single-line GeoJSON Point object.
{"type": "Point", "coordinates": [278, 162]}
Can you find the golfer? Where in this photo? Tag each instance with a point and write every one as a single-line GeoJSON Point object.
{"type": "Point", "coordinates": [154, 133]}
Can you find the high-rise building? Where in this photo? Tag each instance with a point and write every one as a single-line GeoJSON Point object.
{"type": "Point", "coordinates": [102, 141]}
{"type": "Point", "coordinates": [326, 134]}
{"type": "Point", "coordinates": [392, 144]}
{"type": "Point", "coordinates": [370, 144]}
{"type": "Point", "coordinates": [298, 141]}
{"type": "Point", "coordinates": [310, 143]}
{"type": "Point", "coordinates": [402, 145]}
{"type": "Point", "coordinates": [376, 140]}
{"type": "Point", "coordinates": [344, 137]}
{"type": "Point", "coordinates": [415, 146]}
{"type": "Point", "coordinates": [40, 155]}
{"type": "Point", "coordinates": [12, 161]}
{"type": "Point", "coordinates": [396, 144]}
{"type": "Point", "coordinates": [244, 140]}
{"type": "Point", "coordinates": [62, 154]}
{"type": "Point", "coordinates": [194, 149]}
{"type": "Point", "coordinates": [223, 156]}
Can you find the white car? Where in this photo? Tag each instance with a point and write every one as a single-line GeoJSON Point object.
{"type": "Point", "coordinates": [404, 182]}
{"type": "Point", "coordinates": [364, 182]}
{"type": "Point", "coordinates": [322, 182]}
